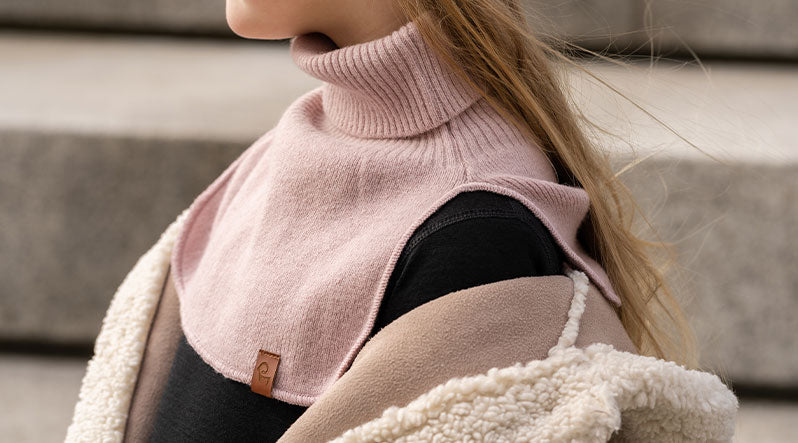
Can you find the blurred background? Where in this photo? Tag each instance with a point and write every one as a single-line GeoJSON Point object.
{"type": "Point", "coordinates": [115, 115]}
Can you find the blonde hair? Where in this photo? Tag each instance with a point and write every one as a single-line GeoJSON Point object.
{"type": "Point", "coordinates": [488, 42]}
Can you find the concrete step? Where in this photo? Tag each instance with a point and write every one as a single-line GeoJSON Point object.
{"type": "Point", "coordinates": [733, 218]}
{"type": "Point", "coordinates": [46, 390]}
{"type": "Point", "coordinates": [724, 28]}
{"type": "Point", "coordinates": [759, 29]}
{"type": "Point", "coordinates": [97, 160]}
{"type": "Point", "coordinates": [178, 16]}
{"type": "Point", "coordinates": [714, 27]}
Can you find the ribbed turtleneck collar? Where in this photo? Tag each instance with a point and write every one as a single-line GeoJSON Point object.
{"type": "Point", "coordinates": [394, 86]}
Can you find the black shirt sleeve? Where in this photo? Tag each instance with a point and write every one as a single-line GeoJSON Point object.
{"type": "Point", "coordinates": [477, 237]}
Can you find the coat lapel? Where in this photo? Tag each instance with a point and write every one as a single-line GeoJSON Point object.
{"type": "Point", "coordinates": [107, 387]}
{"type": "Point", "coordinates": [156, 363]}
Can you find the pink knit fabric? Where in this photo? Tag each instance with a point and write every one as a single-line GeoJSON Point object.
{"type": "Point", "coordinates": [291, 247]}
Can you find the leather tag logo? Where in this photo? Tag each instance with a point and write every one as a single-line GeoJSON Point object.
{"type": "Point", "coordinates": [263, 374]}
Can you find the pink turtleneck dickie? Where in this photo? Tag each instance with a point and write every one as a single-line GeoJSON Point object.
{"type": "Point", "coordinates": [290, 249]}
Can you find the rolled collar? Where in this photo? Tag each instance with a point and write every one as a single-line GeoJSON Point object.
{"type": "Point", "coordinates": [394, 86]}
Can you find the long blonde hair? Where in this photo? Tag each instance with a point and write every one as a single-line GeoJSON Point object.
{"type": "Point", "coordinates": [489, 43]}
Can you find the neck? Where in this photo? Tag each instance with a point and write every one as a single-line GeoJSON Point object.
{"type": "Point", "coordinates": [353, 24]}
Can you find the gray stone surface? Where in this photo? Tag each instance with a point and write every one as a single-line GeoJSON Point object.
{"type": "Point", "coordinates": [733, 218]}
{"type": "Point", "coordinates": [95, 165]}
{"type": "Point", "coordinates": [592, 23]}
{"type": "Point", "coordinates": [728, 27]}
{"type": "Point", "coordinates": [185, 16]}
{"type": "Point", "coordinates": [46, 389]}
{"type": "Point", "coordinates": [76, 213]}
{"type": "Point", "coordinates": [39, 396]}
{"type": "Point", "coordinates": [762, 421]}
{"type": "Point", "coordinates": [147, 87]}
{"type": "Point", "coordinates": [734, 228]}
{"type": "Point", "coordinates": [717, 27]}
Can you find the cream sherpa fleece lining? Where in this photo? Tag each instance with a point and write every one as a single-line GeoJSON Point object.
{"type": "Point", "coordinates": [573, 395]}
{"type": "Point", "coordinates": [107, 387]}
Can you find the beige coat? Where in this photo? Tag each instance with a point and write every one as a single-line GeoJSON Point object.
{"type": "Point", "coordinates": [524, 359]}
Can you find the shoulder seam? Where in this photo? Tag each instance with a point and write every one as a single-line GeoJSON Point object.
{"type": "Point", "coordinates": [474, 214]}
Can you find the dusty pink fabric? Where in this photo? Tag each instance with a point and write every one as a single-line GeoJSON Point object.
{"type": "Point", "coordinates": [290, 248]}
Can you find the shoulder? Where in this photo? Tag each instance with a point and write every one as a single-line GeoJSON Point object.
{"type": "Point", "coordinates": [477, 237]}
{"type": "Point", "coordinates": [486, 228]}
{"type": "Point", "coordinates": [479, 212]}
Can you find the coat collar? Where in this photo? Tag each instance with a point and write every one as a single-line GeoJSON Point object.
{"type": "Point", "coordinates": [530, 358]}
{"type": "Point", "coordinates": [536, 358]}
{"type": "Point", "coordinates": [463, 333]}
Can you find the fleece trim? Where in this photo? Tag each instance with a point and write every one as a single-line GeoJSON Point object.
{"type": "Point", "coordinates": [576, 395]}
{"type": "Point", "coordinates": [107, 387]}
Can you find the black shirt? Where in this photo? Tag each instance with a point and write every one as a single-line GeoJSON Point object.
{"type": "Point", "coordinates": [477, 237]}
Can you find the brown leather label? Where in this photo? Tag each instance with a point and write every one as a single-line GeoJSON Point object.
{"type": "Point", "coordinates": [263, 374]}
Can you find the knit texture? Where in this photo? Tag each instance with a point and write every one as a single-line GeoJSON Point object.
{"type": "Point", "coordinates": [291, 247]}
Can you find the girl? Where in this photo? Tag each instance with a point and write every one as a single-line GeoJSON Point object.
{"type": "Point", "coordinates": [437, 180]}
